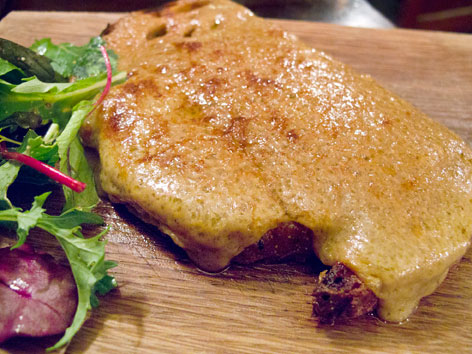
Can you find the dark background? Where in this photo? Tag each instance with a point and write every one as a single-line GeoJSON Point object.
{"type": "Point", "coordinates": [444, 15]}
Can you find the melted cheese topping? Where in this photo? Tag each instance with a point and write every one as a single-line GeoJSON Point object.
{"type": "Point", "coordinates": [228, 127]}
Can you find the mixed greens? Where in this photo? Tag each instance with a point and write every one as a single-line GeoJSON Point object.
{"type": "Point", "coordinates": [46, 92]}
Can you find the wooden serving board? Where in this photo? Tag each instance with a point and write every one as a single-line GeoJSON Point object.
{"type": "Point", "coordinates": [164, 304]}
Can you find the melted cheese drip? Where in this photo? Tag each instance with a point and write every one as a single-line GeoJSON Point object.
{"type": "Point", "coordinates": [228, 127]}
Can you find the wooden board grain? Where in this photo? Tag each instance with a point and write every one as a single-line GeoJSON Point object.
{"type": "Point", "coordinates": [164, 304]}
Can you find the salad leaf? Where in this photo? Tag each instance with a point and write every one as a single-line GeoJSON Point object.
{"type": "Point", "coordinates": [30, 104]}
{"type": "Point", "coordinates": [33, 85]}
{"type": "Point", "coordinates": [8, 172]}
{"type": "Point", "coordinates": [70, 60]}
{"type": "Point", "coordinates": [6, 67]}
{"type": "Point", "coordinates": [34, 146]}
{"type": "Point", "coordinates": [73, 161]}
{"type": "Point", "coordinates": [104, 285]}
{"type": "Point", "coordinates": [74, 217]}
{"type": "Point", "coordinates": [54, 102]}
{"type": "Point", "coordinates": [29, 219]}
{"type": "Point", "coordinates": [86, 255]}
{"type": "Point", "coordinates": [28, 61]}
{"type": "Point", "coordinates": [80, 170]}
{"type": "Point", "coordinates": [87, 261]}
{"type": "Point", "coordinates": [24, 120]}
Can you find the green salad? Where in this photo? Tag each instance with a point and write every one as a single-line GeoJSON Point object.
{"type": "Point", "coordinates": [46, 92]}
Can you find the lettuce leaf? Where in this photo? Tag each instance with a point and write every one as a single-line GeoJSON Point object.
{"type": "Point", "coordinates": [86, 255]}
{"type": "Point", "coordinates": [27, 106]}
{"type": "Point", "coordinates": [8, 172]}
{"type": "Point", "coordinates": [29, 219]}
{"type": "Point", "coordinates": [76, 61]}
{"type": "Point", "coordinates": [52, 102]}
{"type": "Point", "coordinates": [29, 62]}
{"type": "Point", "coordinates": [6, 67]}
{"type": "Point", "coordinates": [73, 161]}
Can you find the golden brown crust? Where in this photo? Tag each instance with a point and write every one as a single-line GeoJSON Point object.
{"type": "Point", "coordinates": [228, 127]}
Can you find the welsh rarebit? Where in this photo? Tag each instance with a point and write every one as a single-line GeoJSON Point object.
{"type": "Point", "coordinates": [228, 130]}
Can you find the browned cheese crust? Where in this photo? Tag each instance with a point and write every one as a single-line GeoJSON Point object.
{"type": "Point", "coordinates": [234, 138]}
